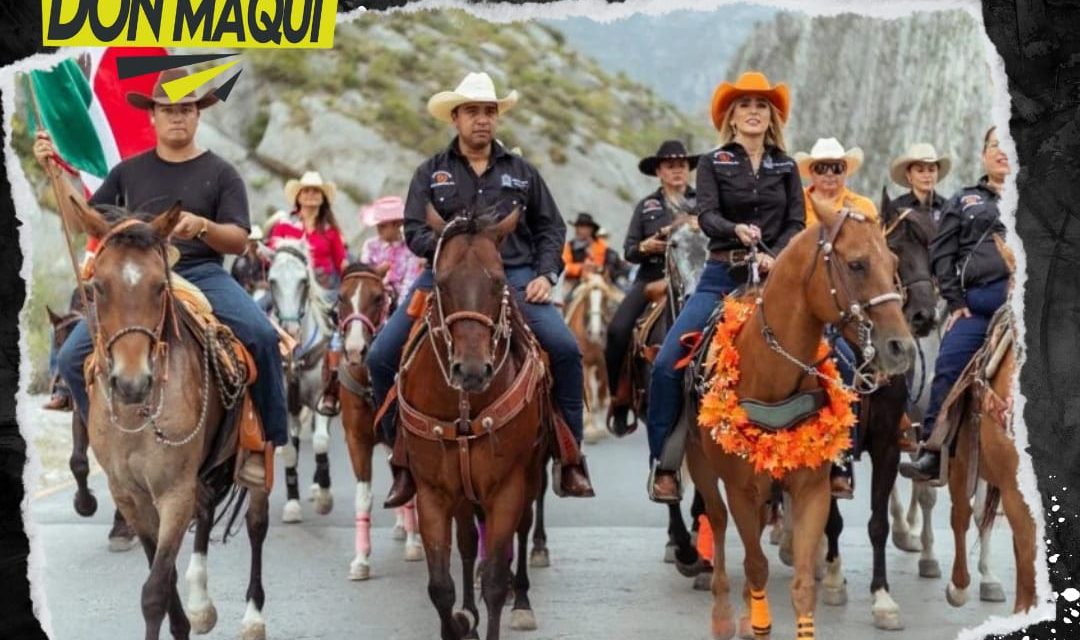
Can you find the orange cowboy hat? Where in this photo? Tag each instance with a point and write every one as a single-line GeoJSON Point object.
{"type": "Point", "coordinates": [751, 82]}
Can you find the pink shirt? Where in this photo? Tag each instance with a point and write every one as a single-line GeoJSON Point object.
{"type": "Point", "coordinates": [325, 245]}
{"type": "Point", "coordinates": [405, 267]}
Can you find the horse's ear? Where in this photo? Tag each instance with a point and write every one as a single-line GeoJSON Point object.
{"type": "Point", "coordinates": [825, 213]}
{"type": "Point", "coordinates": [165, 222]}
{"type": "Point", "coordinates": [53, 318]}
{"type": "Point", "coordinates": [506, 226]}
{"type": "Point", "coordinates": [89, 219]}
{"type": "Point", "coordinates": [886, 205]}
{"type": "Point", "coordinates": [434, 220]}
{"type": "Point", "coordinates": [382, 269]}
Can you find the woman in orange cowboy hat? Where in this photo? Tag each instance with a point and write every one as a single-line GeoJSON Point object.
{"type": "Point", "coordinates": [748, 192]}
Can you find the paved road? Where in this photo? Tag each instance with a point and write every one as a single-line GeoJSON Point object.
{"type": "Point", "coordinates": [607, 579]}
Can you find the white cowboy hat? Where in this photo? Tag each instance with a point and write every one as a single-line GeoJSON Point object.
{"type": "Point", "coordinates": [918, 152]}
{"type": "Point", "coordinates": [476, 87]}
{"type": "Point", "coordinates": [829, 149]}
{"type": "Point", "coordinates": [309, 179]}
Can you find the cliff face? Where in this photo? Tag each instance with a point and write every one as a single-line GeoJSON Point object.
{"type": "Point", "coordinates": [880, 85]}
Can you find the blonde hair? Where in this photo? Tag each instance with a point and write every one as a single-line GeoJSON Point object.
{"type": "Point", "coordinates": [774, 135]}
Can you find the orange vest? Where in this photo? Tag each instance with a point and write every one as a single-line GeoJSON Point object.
{"type": "Point", "coordinates": [597, 257]}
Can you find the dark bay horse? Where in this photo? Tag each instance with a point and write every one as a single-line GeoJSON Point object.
{"type": "Point", "coordinates": [363, 306]}
{"type": "Point", "coordinates": [839, 272]}
{"type": "Point", "coordinates": [474, 402]}
{"type": "Point", "coordinates": [157, 420]}
{"type": "Point", "coordinates": [908, 233]}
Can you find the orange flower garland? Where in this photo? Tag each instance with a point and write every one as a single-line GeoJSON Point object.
{"type": "Point", "coordinates": [817, 440]}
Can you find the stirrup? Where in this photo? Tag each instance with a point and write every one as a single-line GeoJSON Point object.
{"type": "Point", "coordinates": [677, 474]}
{"type": "Point", "coordinates": [556, 476]}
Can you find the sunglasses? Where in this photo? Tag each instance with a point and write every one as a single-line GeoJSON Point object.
{"type": "Point", "coordinates": [824, 168]}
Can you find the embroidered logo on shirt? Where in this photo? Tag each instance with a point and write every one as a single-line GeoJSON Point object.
{"type": "Point", "coordinates": [510, 182]}
{"type": "Point", "coordinates": [724, 157]}
{"type": "Point", "coordinates": [970, 201]}
{"type": "Point", "coordinates": [442, 179]}
{"type": "Point", "coordinates": [651, 205]}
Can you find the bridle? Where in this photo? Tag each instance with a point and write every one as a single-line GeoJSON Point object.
{"type": "Point", "coordinates": [440, 324]}
{"type": "Point", "coordinates": [903, 285]}
{"type": "Point", "coordinates": [855, 312]}
{"type": "Point", "coordinates": [372, 326]}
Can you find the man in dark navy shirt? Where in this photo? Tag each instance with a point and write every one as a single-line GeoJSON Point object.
{"type": "Point", "coordinates": [476, 172]}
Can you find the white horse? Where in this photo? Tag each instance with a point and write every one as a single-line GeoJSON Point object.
{"type": "Point", "coordinates": [924, 497]}
{"type": "Point", "coordinates": [303, 309]}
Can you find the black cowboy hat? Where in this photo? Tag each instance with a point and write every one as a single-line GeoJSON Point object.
{"type": "Point", "coordinates": [158, 96]}
{"type": "Point", "coordinates": [669, 150]}
{"type": "Point", "coordinates": [586, 220]}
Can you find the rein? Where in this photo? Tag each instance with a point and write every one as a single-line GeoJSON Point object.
{"type": "Point", "coordinates": [372, 326]}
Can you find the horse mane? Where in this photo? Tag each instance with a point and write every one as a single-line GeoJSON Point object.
{"type": "Point", "coordinates": [140, 236]}
{"type": "Point", "coordinates": [476, 221]}
{"type": "Point", "coordinates": [317, 295]}
{"type": "Point", "coordinates": [357, 267]}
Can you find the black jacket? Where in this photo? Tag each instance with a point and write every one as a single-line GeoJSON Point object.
{"type": "Point", "coordinates": [908, 201]}
{"type": "Point", "coordinates": [963, 253]}
{"type": "Point", "coordinates": [729, 193]}
{"type": "Point", "coordinates": [448, 182]}
{"type": "Point", "coordinates": [650, 215]}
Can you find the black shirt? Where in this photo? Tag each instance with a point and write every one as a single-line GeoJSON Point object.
{"type": "Point", "coordinates": [963, 253]}
{"type": "Point", "coordinates": [909, 201]}
{"type": "Point", "coordinates": [206, 185]}
{"type": "Point", "coordinates": [448, 182]}
{"type": "Point", "coordinates": [730, 193]}
{"type": "Point", "coordinates": [650, 215]}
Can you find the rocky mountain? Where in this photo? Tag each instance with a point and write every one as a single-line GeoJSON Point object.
{"type": "Point", "coordinates": [880, 85]}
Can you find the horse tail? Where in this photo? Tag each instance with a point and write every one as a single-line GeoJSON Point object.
{"type": "Point", "coordinates": [989, 510]}
{"type": "Point", "coordinates": [238, 501]}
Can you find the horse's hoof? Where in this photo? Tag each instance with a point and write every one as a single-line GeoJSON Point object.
{"type": "Point", "coordinates": [703, 582]}
{"type": "Point", "coordinates": [669, 553]}
{"type": "Point", "coordinates": [292, 513]}
{"type": "Point", "coordinates": [414, 553]}
{"type": "Point", "coordinates": [775, 534]}
{"type": "Point", "coordinates": [324, 502]}
{"type": "Point", "coordinates": [359, 571]}
{"type": "Point", "coordinates": [929, 568]}
{"type": "Point", "coordinates": [723, 629]}
{"type": "Point", "coordinates": [204, 620]}
{"type": "Point", "coordinates": [991, 592]}
{"type": "Point", "coordinates": [539, 558]}
{"type": "Point", "coordinates": [906, 541]}
{"type": "Point", "coordinates": [120, 544]}
{"type": "Point", "coordinates": [835, 596]}
{"type": "Point", "coordinates": [399, 532]}
{"type": "Point", "coordinates": [592, 435]}
{"type": "Point", "coordinates": [85, 504]}
{"type": "Point", "coordinates": [888, 620]}
{"type": "Point", "coordinates": [746, 630]}
{"type": "Point", "coordinates": [522, 620]}
{"type": "Point", "coordinates": [253, 631]}
{"type": "Point", "coordinates": [787, 556]}
{"type": "Point", "coordinates": [955, 596]}
{"type": "Point", "coordinates": [465, 621]}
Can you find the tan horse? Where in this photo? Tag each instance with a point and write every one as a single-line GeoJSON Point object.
{"type": "Point", "coordinates": [588, 314]}
{"type": "Point", "coordinates": [839, 272]}
{"type": "Point", "coordinates": [157, 422]}
{"type": "Point", "coordinates": [984, 438]}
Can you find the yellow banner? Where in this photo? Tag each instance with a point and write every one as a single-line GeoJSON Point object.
{"type": "Point", "coordinates": [234, 24]}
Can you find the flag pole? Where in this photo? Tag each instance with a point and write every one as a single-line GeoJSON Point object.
{"type": "Point", "coordinates": [51, 169]}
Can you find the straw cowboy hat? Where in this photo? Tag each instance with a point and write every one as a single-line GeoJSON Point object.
{"type": "Point", "coordinates": [918, 152]}
{"type": "Point", "coordinates": [309, 179]}
{"type": "Point", "coordinates": [829, 149]}
{"type": "Point", "coordinates": [669, 150]}
{"type": "Point", "coordinates": [383, 210]}
{"type": "Point", "coordinates": [158, 95]}
{"type": "Point", "coordinates": [749, 83]}
{"type": "Point", "coordinates": [476, 87]}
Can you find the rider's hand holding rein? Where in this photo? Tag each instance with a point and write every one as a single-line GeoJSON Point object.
{"type": "Point", "coordinates": [538, 291]}
{"type": "Point", "coordinates": [956, 315]}
{"type": "Point", "coordinates": [224, 238]}
{"type": "Point", "coordinates": [748, 234]}
{"type": "Point", "coordinates": [653, 245]}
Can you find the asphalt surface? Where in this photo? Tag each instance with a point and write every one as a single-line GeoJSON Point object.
{"type": "Point", "coordinates": [606, 579]}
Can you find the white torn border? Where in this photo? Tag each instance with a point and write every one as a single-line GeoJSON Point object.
{"type": "Point", "coordinates": [600, 11]}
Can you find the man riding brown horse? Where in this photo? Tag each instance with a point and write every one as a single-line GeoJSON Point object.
{"type": "Point", "coordinates": [475, 172]}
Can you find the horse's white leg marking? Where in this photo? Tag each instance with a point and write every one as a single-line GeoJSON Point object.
{"type": "Point", "coordinates": [360, 568]}
{"type": "Point", "coordinates": [200, 609]}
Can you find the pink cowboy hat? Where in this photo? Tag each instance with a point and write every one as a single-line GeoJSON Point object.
{"type": "Point", "coordinates": [388, 209]}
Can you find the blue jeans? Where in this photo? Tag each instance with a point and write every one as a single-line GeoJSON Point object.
{"type": "Point", "coordinates": [233, 307]}
{"type": "Point", "coordinates": [545, 321]}
{"type": "Point", "coordinates": [666, 384]}
{"type": "Point", "coordinates": [961, 343]}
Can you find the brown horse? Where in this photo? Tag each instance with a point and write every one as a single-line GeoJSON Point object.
{"type": "Point", "coordinates": [363, 307]}
{"type": "Point", "coordinates": [474, 403]}
{"type": "Point", "coordinates": [588, 314]}
{"type": "Point", "coordinates": [156, 422]}
{"type": "Point", "coordinates": [839, 272]}
{"type": "Point", "coordinates": [985, 439]}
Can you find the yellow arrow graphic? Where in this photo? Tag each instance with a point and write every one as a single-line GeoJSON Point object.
{"type": "Point", "coordinates": [180, 87]}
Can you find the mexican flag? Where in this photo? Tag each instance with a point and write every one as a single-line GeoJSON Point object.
{"type": "Point", "coordinates": [85, 111]}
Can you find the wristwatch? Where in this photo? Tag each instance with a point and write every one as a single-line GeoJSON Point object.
{"type": "Point", "coordinates": [552, 277]}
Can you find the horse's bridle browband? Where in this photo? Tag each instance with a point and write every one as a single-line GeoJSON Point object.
{"type": "Point", "coordinates": [372, 326]}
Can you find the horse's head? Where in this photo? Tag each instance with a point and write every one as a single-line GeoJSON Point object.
{"type": "Point", "coordinates": [472, 297]}
{"type": "Point", "coordinates": [597, 290]}
{"type": "Point", "coordinates": [363, 306]}
{"type": "Point", "coordinates": [853, 287]}
{"type": "Point", "coordinates": [132, 297]}
{"type": "Point", "coordinates": [291, 281]}
{"type": "Point", "coordinates": [908, 233]}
